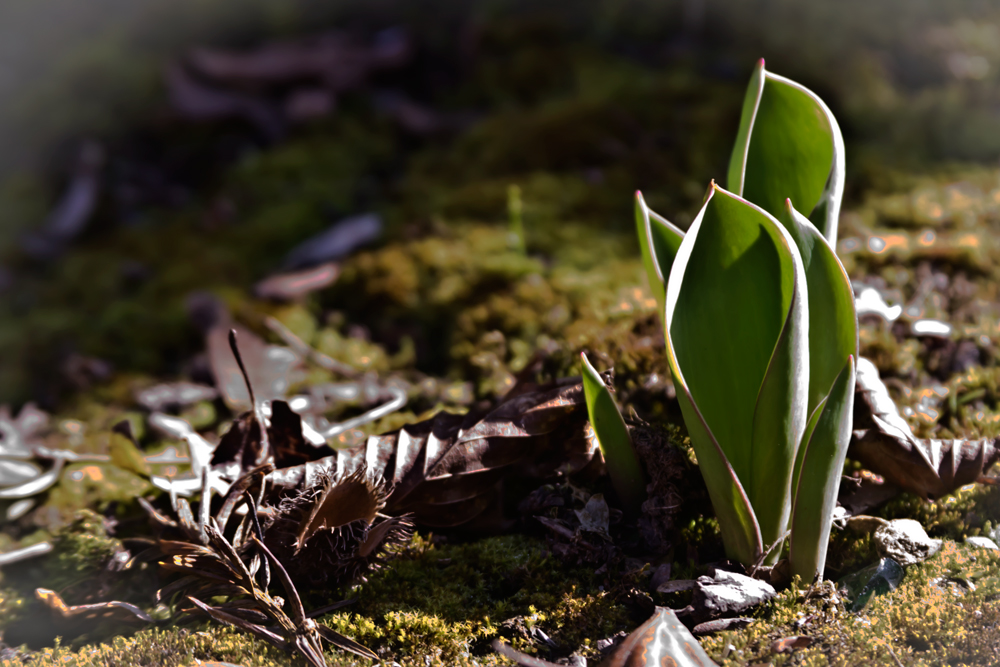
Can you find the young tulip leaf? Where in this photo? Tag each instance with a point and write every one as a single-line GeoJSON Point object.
{"type": "Point", "coordinates": [735, 315]}
{"type": "Point", "coordinates": [833, 323]}
{"type": "Point", "coordinates": [658, 242]}
{"type": "Point", "coordinates": [737, 521]}
{"type": "Point", "coordinates": [788, 146]}
{"type": "Point", "coordinates": [819, 477]}
{"type": "Point", "coordinates": [728, 299]}
{"type": "Point", "coordinates": [779, 421]}
{"type": "Point", "coordinates": [623, 466]}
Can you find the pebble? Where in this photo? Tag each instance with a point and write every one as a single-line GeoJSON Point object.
{"type": "Point", "coordinates": [728, 592]}
{"type": "Point", "coordinates": [905, 541]}
{"type": "Point", "coordinates": [983, 542]}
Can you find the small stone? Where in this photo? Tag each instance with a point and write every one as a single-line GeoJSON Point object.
{"type": "Point", "coordinates": [983, 542]}
{"type": "Point", "coordinates": [862, 523]}
{"type": "Point", "coordinates": [905, 541]}
{"type": "Point", "coordinates": [660, 576]}
{"type": "Point", "coordinates": [721, 625]}
{"type": "Point", "coordinates": [728, 593]}
{"type": "Point", "coordinates": [676, 586]}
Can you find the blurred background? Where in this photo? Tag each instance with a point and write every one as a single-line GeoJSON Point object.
{"type": "Point", "coordinates": [149, 149]}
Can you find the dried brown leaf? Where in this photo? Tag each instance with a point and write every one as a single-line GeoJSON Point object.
{"type": "Point", "coordinates": [290, 286]}
{"type": "Point", "coordinates": [884, 443]}
{"type": "Point", "coordinates": [789, 644]}
{"type": "Point", "coordinates": [334, 58]}
{"type": "Point", "coordinates": [444, 470]}
{"type": "Point", "coordinates": [116, 610]}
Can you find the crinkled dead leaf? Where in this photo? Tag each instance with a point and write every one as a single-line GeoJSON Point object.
{"type": "Point", "coordinates": [285, 446]}
{"type": "Point", "coordinates": [884, 443]}
{"type": "Point", "coordinates": [443, 470]}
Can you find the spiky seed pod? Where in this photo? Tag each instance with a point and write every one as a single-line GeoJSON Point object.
{"type": "Point", "coordinates": [332, 534]}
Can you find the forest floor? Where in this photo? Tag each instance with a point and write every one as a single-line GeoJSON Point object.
{"type": "Point", "coordinates": [523, 123]}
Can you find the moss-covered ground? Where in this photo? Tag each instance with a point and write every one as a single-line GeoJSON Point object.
{"type": "Point", "coordinates": [450, 302]}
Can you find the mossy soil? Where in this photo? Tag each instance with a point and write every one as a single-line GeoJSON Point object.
{"type": "Point", "coordinates": [449, 301]}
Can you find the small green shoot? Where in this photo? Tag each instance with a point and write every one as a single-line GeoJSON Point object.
{"type": "Point", "coordinates": [626, 474]}
{"type": "Point", "coordinates": [761, 329]}
{"type": "Point", "coordinates": [515, 215]}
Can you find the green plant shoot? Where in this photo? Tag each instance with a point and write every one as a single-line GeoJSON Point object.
{"type": "Point", "coordinates": [737, 326]}
{"type": "Point", "coordinates": [788, 146]}
{"type": "Point", "coordinates": [761, 329]}
{"type": "Point", "coordinates": [658, 243]}
{"type": "Point", "coordinates": [612, 435]}
{"type": "Point", "coordinates": [515, 215]}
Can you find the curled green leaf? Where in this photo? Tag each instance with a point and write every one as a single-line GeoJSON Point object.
{"type": "Point", "coordinates": [736, 326]}
{"type": "Point", "coordinates": [819, 477]}
{"type": "Point", "coordinates": [788, 146]}
{"type": "Point", "coordinates": [659, 240]}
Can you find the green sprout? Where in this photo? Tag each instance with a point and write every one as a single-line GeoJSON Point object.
{"type": "Point", "coordinates": [626, 473]}
{"type": "Point", "coordinates": [515, 215]}
{"type": "Point", "coordinates": [760, 327]}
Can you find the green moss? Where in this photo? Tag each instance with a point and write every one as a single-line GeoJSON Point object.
{"type": "Point", "coordinates": [577, 129]}
{"type": "Point", "coordinates": [955, 516]}
{"type": "Point", "coordinates": [478, 309]}
{"type": "Point", "coordinates": [438, 605]}
{"type": "Point", "coordinates": [86, 565]}
{"type": "Point", "coordinates": [169, 648]}
{"type": "Point", "coordinates": [455, 597]}
{"type": "Point", "coordinates": [93, 306]}
{"type": "Point", "coordinates": [926, 621]}
{"type": "Point", "coordinates": [81, 551]}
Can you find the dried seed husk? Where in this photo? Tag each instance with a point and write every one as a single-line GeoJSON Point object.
{"type": "Point", "coordinates": [332, 534]}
